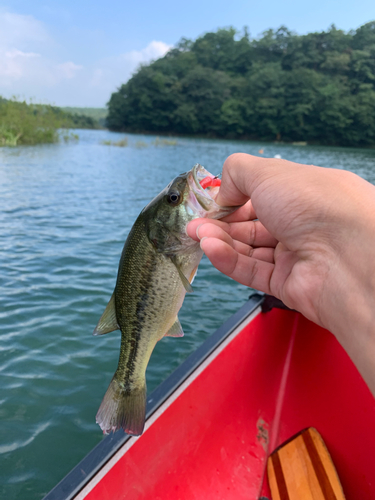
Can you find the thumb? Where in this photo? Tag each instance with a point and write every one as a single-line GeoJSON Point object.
{"type": "Point", "coordinates": [242, 174]}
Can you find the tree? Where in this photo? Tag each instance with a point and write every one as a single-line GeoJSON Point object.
{"type": "Point", "coordinates": [318, 87]}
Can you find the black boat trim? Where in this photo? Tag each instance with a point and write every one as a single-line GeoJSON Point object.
{"type": "Point", "coordinates": [270, 302]}
{"type": "Point", "coordinates": [96, 459]}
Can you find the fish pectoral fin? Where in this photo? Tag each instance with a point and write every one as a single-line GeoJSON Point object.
{"type": "Point", "coordinates": [175, 330]}
{"type": "Point", "coordinates": [108, 321]}
{"type": "Point", "coordinates": [184, 279]}
{"type": "Point", "coordinates": [193, 275]}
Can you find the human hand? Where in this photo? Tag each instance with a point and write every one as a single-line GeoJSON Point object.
{"type": "Point", "coordinates": [312, 246]}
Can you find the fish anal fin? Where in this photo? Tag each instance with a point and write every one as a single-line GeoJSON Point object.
{"type": "Point", "coordinates": [175, 330]}
{"type": "Point", "coordinates": [108, 321]}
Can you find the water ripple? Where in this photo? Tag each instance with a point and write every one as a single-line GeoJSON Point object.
{"type": "Point", "coordinates": [16, 445]}
{"type": "Point", "coordinates": [65, 213]}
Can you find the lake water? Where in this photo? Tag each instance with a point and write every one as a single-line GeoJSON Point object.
{"type": "Point", "coordinates": [65, 212]}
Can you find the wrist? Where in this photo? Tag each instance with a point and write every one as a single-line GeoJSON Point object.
{"type": "Point", "coordinates": [350, 309]}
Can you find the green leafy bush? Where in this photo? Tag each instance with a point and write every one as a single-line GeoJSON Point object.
{"type": "Point", "coordinates": [23, 123]}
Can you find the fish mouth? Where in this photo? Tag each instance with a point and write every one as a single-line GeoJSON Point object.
{"type": "Point", "coordinates": [199, 173]}
{"type": "Point", "coordinates": [201, 199]}
{"type": "Point", "coordinates": [195, 177]}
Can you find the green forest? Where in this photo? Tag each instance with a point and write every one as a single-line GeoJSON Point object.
{"type": "Point", "coordinates": [318, 87]}
{"type": "Point", "coordinates": [98, 115]}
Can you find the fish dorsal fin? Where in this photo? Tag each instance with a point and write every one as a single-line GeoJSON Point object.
{"type": "Point", "coordinates": [184, 279]}
{"type": "Point", "coordinates": [175, 330]}
{"type": "Point", "coordinates": [108, 321]}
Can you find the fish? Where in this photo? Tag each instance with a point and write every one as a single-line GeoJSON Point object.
{"type": "Point", "coordinates": [157, 267]}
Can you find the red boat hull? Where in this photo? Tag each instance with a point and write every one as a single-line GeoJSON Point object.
{"type": "Point", "coordinates": [275, 375]}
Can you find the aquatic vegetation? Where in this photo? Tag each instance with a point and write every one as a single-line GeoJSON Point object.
{"type": "Point", "coordinates": [122, 143]}
{"type": "Point", "coordinates": [164, 142]}
{"type": "Point", "coordinates": [7, 137]}
{"type": "Point", "coordinates": [141, 144]}
{"type": "Point", "coordinates": [68, 136]}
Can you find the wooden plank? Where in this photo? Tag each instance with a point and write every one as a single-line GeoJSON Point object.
{"type": "Point", "coordinates": [302, 468]}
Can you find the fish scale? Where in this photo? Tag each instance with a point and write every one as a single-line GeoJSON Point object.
{"type": "Point", "coordinates": [156, 287]}
{"type": "Point", "coordinates": [157, 265]}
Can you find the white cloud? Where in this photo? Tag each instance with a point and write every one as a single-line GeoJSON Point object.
{"type": "Point", "coordinates": [12, 63]}
{"type": "Point", "coordinates": [113, 71]}
{"type": "Point", "coordinates": [20, 30]}
{"type": "Point", "coordinates": [154, 50]}
{"type": "Point", "coordinates": [31, 68]}
{"type": "Point", "coordinates": [21, 67]}
{"type": "Point", "coordinates": [68, 69]}
{"type": "Point", "coordinates": [108, 74]}
{"type": "Point", "coordinates": [93, 85]}
{"type": "Point", "coordinates": [12, 54]}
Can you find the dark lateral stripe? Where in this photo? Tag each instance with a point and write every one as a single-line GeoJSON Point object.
{"type": "Point", "coordinates": [279, 475]}
{"type": "Point", "coordinates": [319, 469]}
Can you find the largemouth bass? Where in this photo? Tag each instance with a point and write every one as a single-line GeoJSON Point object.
{"type": "Point", "coordinates": [157, 266]}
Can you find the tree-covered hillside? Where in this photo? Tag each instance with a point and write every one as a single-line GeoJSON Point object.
{"type": "Point", "coordinates": [318, 87]}
{"type": "Point", "coordinates": [97, 115]}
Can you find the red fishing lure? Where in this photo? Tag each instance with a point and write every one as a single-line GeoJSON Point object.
{"type": "Point", "coordinates": [210, 182]}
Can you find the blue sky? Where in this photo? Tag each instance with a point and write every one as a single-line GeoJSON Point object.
{"type": "Point", "coordinates": [75, 53]}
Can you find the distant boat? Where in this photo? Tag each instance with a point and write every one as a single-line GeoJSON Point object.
{"type": "Point", "coordinates": [278, 157]}
{"type": "Point", "coordinates": [263, 376]}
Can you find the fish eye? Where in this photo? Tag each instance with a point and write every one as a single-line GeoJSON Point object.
{"type": "Point", "coordinates": [173, 198]}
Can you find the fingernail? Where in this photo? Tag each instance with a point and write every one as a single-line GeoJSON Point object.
{"type": "Point", "coordinates": [197, 230]}
{"type": "Point", "coordinates": [202, 240]}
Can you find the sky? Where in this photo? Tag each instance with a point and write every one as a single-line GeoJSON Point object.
{"type": "Point", "coordinates": [76, 53]}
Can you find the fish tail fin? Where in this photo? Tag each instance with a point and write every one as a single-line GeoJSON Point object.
{"type": "Point", "coordinates": [122, 408]}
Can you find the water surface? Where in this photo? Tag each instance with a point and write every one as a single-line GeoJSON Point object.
{"type": "Point", "coordinates": [65, 212]}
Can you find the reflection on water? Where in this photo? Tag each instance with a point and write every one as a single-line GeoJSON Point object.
{"type": "Point", "coordinates": [65, 214]}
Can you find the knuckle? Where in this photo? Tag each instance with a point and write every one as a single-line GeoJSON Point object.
{"type": "Point", "coordinates": [253, 271]}
{"type": "Point", "coordinates": [232, 161]}
{"type": "Point", "coordinates": [251, 234]}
